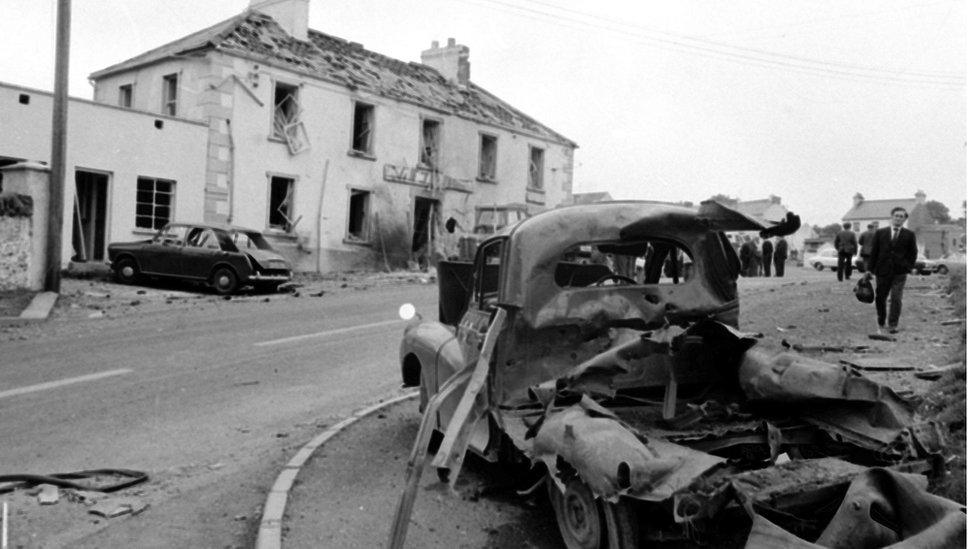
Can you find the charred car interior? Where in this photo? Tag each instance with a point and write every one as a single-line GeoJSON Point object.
{"type": "Point", "coordinates": [602, 342]}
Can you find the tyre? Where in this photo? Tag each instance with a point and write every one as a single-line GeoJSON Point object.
{"type": "Point", "coordinates": [586, 522]}
{"type": "Point", "coordinates": [126, 270]}
{"type": "Point", "coordinates": [224, 280]}
{"type": "Point", "coordinates": [818, 266]}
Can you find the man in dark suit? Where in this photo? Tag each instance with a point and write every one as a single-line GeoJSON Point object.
{"type": "Point", "coordinates": [767, 256]}
{"type": "Point", "coordinates": [779, 255]}
{"type": "Point", "coordinates": [893, 254]}
{"type": "Point", "coordinates": [846, 245]}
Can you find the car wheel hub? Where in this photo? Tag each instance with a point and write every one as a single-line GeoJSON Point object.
{"type": "Point", "coordinates": [128, 271]}
{"type": "Point", "coordinates": [223, 281]}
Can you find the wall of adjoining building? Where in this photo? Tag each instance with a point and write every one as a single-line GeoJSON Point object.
{"type": "Point", "coordinates": [123, 144]}
{"type": "Point", "coordinates": [15, 251]}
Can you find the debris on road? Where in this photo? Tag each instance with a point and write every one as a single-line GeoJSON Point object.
{"type": "Point", "coordinates": [801, 348]}
{"type": "Point", "coordinates": [882, 337]}
{"type": "Point", "coordinates": [937, 372]}
{"type": "Point", "coordinates": [116, 507]}
{"type": "Point", "coordinates": [953, 322]}
{"type": "Point", "coordinates": [47, 494]}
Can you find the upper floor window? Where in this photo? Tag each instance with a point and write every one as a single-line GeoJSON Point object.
{"type": "Point", "coordinates": [362, 128]}
{"type": "Point", "coordinates": [488, 152]}
{"type": "Point", "coordinates": [536, 168]}
{"type": "Point", "coordinates": [286, 109]}
{"type": "Point", "coordinates": [170, 87]}
{"type": "Point", "coordinates": [431, 142]}
{"type": "Point", "coordinates": [154, 202]}
{"type": "Point", "coordinates": [125, 95]}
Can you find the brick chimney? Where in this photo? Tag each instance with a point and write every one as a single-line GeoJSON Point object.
{"type": "Point", "coordinates": [919, 197]}
{"type": "Point", "coordinates": [451, 61]}
{"type": "Point", "coordinates": [773, 199]}
{"type": "Point", "coordinates": [858, 199]}
{"type": "Point", "coordinates": [291, 15]}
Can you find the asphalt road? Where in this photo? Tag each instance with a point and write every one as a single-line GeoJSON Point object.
{"type": "Point", "coordinates": [209, 400]}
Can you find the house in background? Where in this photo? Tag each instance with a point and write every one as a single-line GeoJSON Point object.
{"type": "Point", "coordinates": [863, 212]}
{"type": "Point", "coordinates": [342, 155]}
{"type": "Point", "coordinates": [769, 209]}
{"type": "Point", "coordinates": [935, 240]}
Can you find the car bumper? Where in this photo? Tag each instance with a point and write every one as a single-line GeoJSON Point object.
{"type": "Point", "coordinates": [269, 277]}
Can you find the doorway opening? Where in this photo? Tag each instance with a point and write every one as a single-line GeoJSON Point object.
{"type": "Point", "coordinates": [88, 227]}
{"type": "Point", "coordinates": [425, 215]}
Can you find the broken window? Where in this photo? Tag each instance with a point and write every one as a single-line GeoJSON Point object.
{"type": "Point", "coordinates": [169, 94]}
{"type": "Point", "coordinates": [125, 95]}
{"type": "Point", "coordinates": [536, 167]}
{"type": "Point", "coordinates": [624, 263]}
{"type": "Point", "coordinates": [358, 215]}
{"type": "Point", "coordinates": [281, 203]}
{"type": "Point", "coordinates": [486, 158]}
{"type": "Point", "coordinates": [154, 202]}
{"type": "Point", "coordinates": [286, 108]}
{"type": "Point", "coordinates": [430, 146]}
{"type": "Point", "coordinates": [362, 128]}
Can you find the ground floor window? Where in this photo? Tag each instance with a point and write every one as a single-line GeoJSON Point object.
{"type": "Point", "coordinates": [154, 202]}
{"type": "Point", "coordinates": [281, 203]}
{"type": "Point", "coordinates": [358, 215]}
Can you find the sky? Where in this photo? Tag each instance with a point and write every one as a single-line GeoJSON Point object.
{"type": "Point", "coordinates": [812, 101]}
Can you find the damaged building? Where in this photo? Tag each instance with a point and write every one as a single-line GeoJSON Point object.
{"type": "Point", "coordinates": [344, 157]}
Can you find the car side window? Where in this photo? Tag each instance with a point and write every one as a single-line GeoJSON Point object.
{"type": "Point", "coordinates": [172, 236]}
{"type": "Point", "coordinates": [206, 239]}
{"type": "Point", "coordinates": [487, 266]}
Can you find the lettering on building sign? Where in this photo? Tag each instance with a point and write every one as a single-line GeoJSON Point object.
{"type": "Point", "coordinates": [423, 177]}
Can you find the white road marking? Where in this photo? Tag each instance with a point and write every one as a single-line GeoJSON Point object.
{"type": "Point", "coordinates": [329, 332]}
{"type": "Point", "coordinates": [63, 382]}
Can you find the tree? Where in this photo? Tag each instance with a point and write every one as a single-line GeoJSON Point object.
{"type": "Point", "coordinates": [725, 199]}
{"type": "Point", "coordinates": [828, 232]}
{"type": "Point", "coordinates": [938, 211]}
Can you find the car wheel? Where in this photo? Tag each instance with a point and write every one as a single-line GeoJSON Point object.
{"type": "Point", "coordinates": [126, 270]}
{"type": "Point", "coordinates": [224, 280]}
{"type": "Point", "coordinates": [942, 270]}
{"type": "Point", "coordinates": [818, 266]}
{"type": "Point", "coordinates": [578, 514]}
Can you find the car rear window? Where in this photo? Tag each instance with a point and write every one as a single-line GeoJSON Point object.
{"type": "Point", "coordinates": [618, 263]}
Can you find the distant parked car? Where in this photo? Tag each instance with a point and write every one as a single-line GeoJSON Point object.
{"type": "Point", "coordinates": [942, 265]}
{"type": "Point", "coordinates": [221, 256]}
{"type": "Point", "coordinates": [824, 258]}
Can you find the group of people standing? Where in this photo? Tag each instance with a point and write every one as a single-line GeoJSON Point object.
{"type": "Point", "coordinates": [889, 254]}
{"type": "Point", "coordinates": [764, 256]}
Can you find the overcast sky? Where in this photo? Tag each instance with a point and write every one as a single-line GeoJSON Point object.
{"type": "Point", "coordinates": [809, 100]}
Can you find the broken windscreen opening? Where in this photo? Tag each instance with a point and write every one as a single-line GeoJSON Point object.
{"type": "Point", "coordinates": [650, 261]}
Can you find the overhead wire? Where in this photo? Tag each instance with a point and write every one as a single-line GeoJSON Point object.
{"type": "Point", "coordinates": [739, 54]}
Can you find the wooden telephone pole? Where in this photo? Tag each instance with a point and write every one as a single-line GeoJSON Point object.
{"type": "Point", "coordinates": [59, 134]}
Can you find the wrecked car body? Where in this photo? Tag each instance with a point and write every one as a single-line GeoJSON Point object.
{"type": "Point", "coordinates": [653, 415]}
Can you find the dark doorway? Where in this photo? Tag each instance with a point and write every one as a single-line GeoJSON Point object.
{"type": "Point", "coordinates": [425, 215]}
{"type": "Point", "coordinates": [88, 227]}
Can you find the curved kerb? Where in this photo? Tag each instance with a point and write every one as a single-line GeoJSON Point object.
{"type": "Point", "coordinates": [269, 532]}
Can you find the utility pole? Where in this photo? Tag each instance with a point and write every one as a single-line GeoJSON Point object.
{"type": "Point", "coordinates": [59, 135]}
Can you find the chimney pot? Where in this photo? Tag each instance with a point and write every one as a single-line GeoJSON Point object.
{"type": "Point", "coordinates": [450, 42]}
{"type": "Point", "coordinates": [435, 44]}
{"type": "Point", "coordinates": [451, 61]}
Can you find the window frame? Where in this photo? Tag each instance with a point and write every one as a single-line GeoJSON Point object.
{"type": "Point", "coordinates": [366, 228]}
{"type": "Point", "coordinates": [171, 206]}
{"type": "Point", "coordinates": [431, 161]}
{"type": "Point", "coordinates": [293, 179]}
{"type": "Point", "coordinates": [125, 96]}
{"type": "Point", "coordinates": [493, 177]}
{"type": "Point", "coordinates": [274, 133]}
{"type": "Point", "coordinates": [367, 151]}
{"type": "Point", "coordinates": [171, 82]}
{"type": "Point", "coordinates": [539, 171]}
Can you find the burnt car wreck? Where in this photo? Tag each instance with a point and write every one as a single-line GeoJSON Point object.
{"type": "Point", "coordinates": [602, 341]}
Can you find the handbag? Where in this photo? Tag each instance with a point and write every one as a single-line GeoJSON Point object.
{"type": "Point", "coordinates": [864, 291]}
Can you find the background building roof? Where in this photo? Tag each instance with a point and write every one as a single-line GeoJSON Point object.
{"type": "Point", "coordinates": [254, 35]}
{"type": "Point", "coordinates": [878, 209]}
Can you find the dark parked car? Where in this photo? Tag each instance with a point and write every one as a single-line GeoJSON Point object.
{"type": "Point", "coordinates": [222, 256]}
